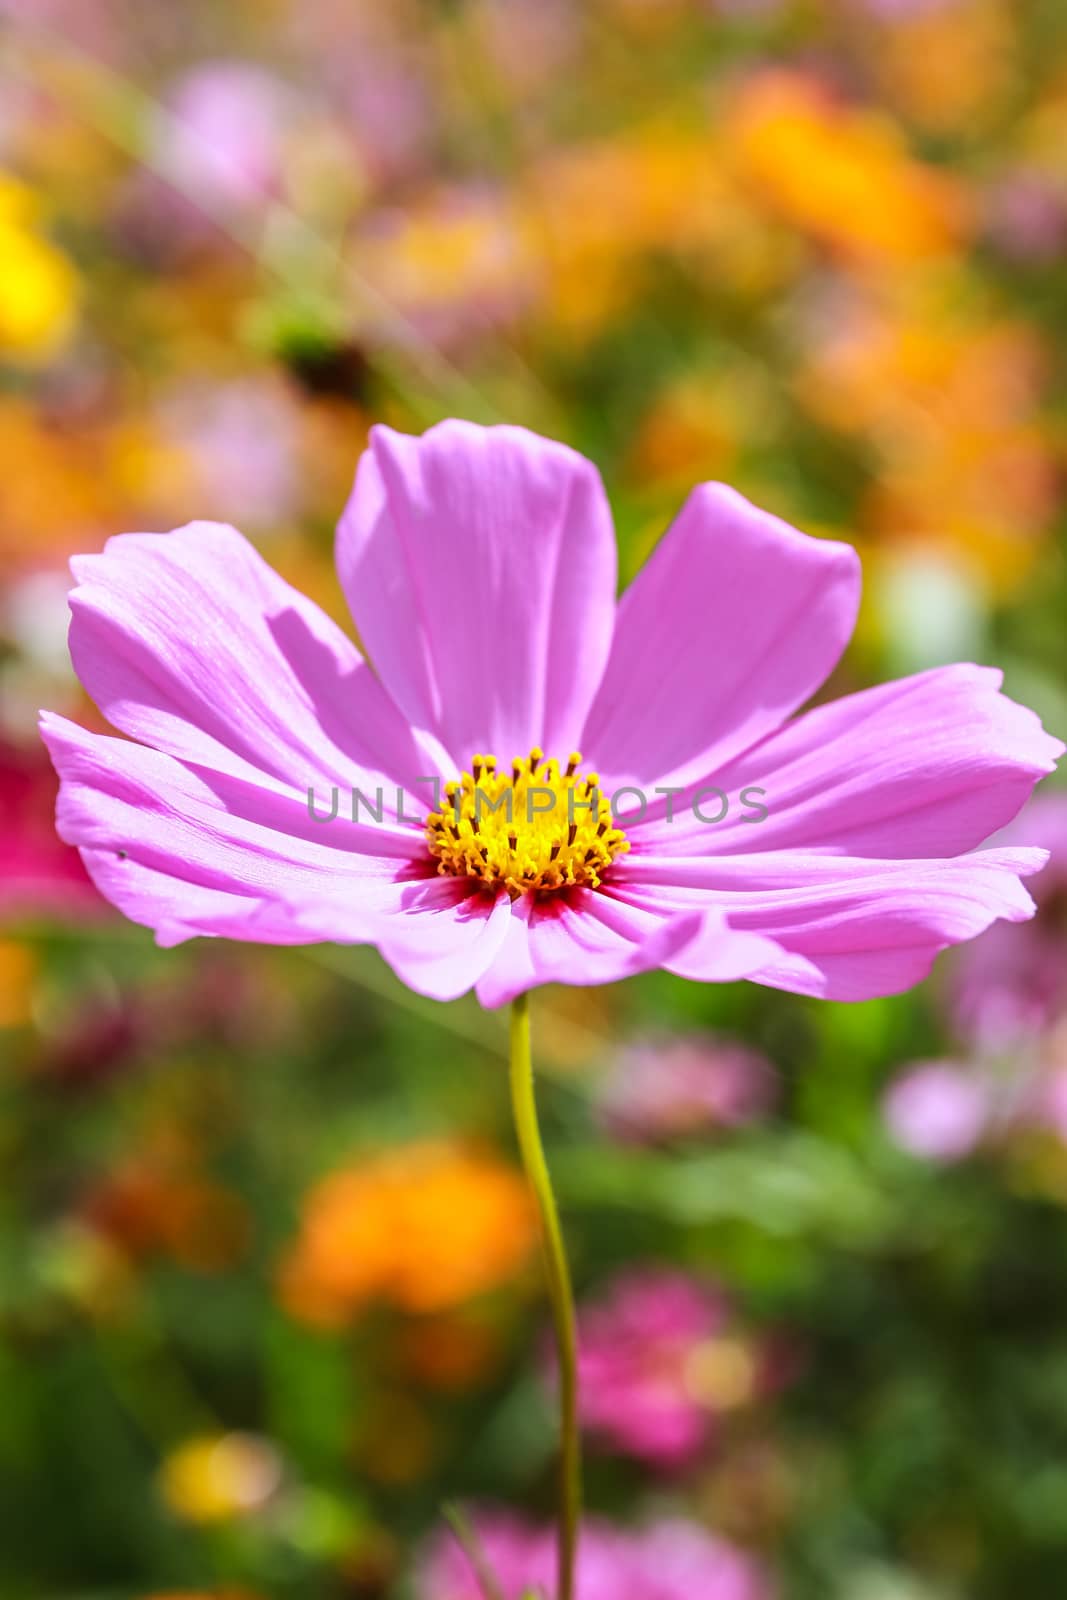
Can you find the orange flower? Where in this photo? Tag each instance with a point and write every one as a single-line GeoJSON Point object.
{"type": "Point", "coordinates": [18, 968]}
{"type": "Point", "coordinates": [950, 404]}
{"type": "Point", "coordinates": [950, 68]}
{"type": "Point", "coordinates": [422, 1227]}
{"type": "Point", "coordinates": [450, 1352]}
{"type": "Point", "coordinates": [840, 174]}
{"type": "Point", "coordinates": [594, 213]}
{"type": "Point", "coordinates": [151, 1205]}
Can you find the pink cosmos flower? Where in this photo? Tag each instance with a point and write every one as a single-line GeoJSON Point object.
{"type": "Point", "coordinates": [241, 443]}
{"type": "Point", "coordinates": [39, 876]}
{"type": "Point", "coordinates": [668, 1560]}
{"type": "Point", "coordinates": [1045, 1106]}
{"type": "Point", "coordinates": [1026, 216]}
{"type": "Point", "coordinates": [684, 1084]}
{"type": "Point", "coordinates": [938, 1110]}
{"type": "Point", "coordinates": [479, 564]}
{"type": "Point", "coordinates": [231, 121]}
{"type": "Point", "coordinates": [1005, 991]}
{"type": "Point", "coordinates": [660, 1361]}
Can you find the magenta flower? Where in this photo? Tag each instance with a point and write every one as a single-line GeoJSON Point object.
{"type": "Point", "coordinates": [668, 1560]}
{"type": "Point", "coordinates": [39, 876]}
{"type": "Point", "coordinates": [479, 565]}
{"type": "Point", "coordinates": [660, 1361]}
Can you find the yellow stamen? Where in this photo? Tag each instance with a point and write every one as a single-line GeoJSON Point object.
{"type": "Point", "coordinates": [534, 830]}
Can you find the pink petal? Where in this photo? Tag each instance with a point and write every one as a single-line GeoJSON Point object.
{"type": "Point", "coordinates": [479, 564]}
{"type": "Point", "coordinates": [849, 928]}
{"type": "Point", "coordinates": [446, 940]}
{"type": "Point", "coordinates": [590, 937]}
{"type": "Point", "coordinates": [189, 852]}
{"type": "Point", "coordinates": [732, 624]}
{"type": "Point", "coordinates": [436, 934]}
{"type": "Point", "coordinates": [178, 910]}
{"type": "Point", "coordinates": [191, 643]}
{"type": "Point", "coordinates": [928, 766]}
{"type": "Point", "coordinates": [186, 851]}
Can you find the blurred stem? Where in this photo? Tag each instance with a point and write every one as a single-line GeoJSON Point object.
{"type": "Point", "coordinates": [471, 1546]}
{"type": "Point", "coordinates": [524, 1105]}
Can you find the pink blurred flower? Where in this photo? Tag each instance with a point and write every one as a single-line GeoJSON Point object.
{"type": "Point", "coordinates": [1026, 217]}
{"type": "Point", "coordinates": [668, 1560]}
{"type": "Point", "coordinates": [217, 160]}
{"type": "Point", "coordinates": [480, 567]}
{"type": "Point", "coordinates": [757, 9]}
{"type": "Point", "coordinates": [376, 71]}
{"type": "Point", "coordinates": [39, 875]}
{"type": "Point", "coordinates": [391, 109]}
{"type": "Point", "coordinates": [661, 1360]}
{"type": "Point", "coordinates": [91, 25]}
{"type": "Point", "coordinates": [938, 1110]}
{"type": "Point", "coordinates": [1045, 1105]}
{"type": "Point", "coordinates": [1006, 990]}
{"type": "Point", "coordinates": [530, 41]}
{"type": "Point", "coordinates": [231, 121]}
{"type": "Point", "coordinates": [242, 443]}
{"type": "Point", "coordinates": [677, 1085]}
{"type": "Point", "coordinates": [902, 10]}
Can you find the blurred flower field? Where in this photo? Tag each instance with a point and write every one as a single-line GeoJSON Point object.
{"type": "Point", "coordinates": [269, 1281]}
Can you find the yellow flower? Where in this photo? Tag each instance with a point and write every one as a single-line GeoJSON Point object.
{"type": "Point", "coordinates": [452, 259]}
{"type": "Point", "coordinates": [423, 1227]}
{"type": "Point", "coordinates": [38, 285]}
{"type": "Point", "coordinates": [219, 1477]}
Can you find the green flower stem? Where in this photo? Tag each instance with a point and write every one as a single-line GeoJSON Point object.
{"type": "Point", "coordinates": [561, 1294]}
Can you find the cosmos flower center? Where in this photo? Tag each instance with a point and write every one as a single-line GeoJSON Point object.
{"type": "Point", "coordinates": [532, 829]}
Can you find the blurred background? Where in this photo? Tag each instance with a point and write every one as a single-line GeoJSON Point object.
{"type": "Point", "coordinates": [269, 1290]}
